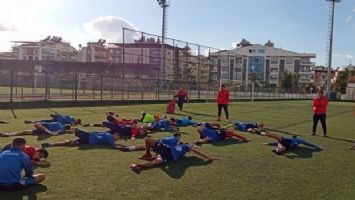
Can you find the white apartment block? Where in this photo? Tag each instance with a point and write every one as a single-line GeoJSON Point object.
{"type": "Point", "coordinates": [51, 48]}
{"type": "Point", "coordinates": [263, 63]}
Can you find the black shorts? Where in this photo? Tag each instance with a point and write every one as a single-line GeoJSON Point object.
{"type": "Point", "coordinates": [38, 132]}
{"type": "Point", "coordinates": [11, 188]}
{"type": "Point", "coordinates": [286, 142]}
{"type": "Point", "coordinates": [222, 135]}
{"type": "Point", "coordinates": [164, 151]}
{"type": "Point", "coordinates": [83, 138]}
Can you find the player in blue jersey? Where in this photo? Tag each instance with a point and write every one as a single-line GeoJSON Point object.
{"type": "Point", "coordinates": [283, 144]}
{"type": "Point", "coordinates": [255, 128]}
{"type": "Point", "coordinates": [165, 154]}
{"type": "Point", "coordinates": [88, 138]}
{"type": "Point", "coordinates": [162, 124]}
{"type": "Point", "coordinates": [12, 162]}
{"type": "Point", "coordinates": [63, 119]}
{"type": "Point", "coordinates": [52, 128]}
{"type": "Point", "coordinates": [169, 141]}
{"type": "Point", "coordinates": [185, 121]}
{"type": "Point", "coordinates": [132, 131]}
{"type": "Point", "coordinates": [210, 134]}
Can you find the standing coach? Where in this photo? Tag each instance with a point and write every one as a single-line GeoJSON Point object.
{"type": "Point", "coordinates": [222, 102]}
{"type": "Point", "coordinates": [320, 104]}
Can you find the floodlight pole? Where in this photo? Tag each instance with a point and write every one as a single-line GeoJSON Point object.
{"type": "Point", "coordinates": [163, 4]}
{"type": "Point", "coordinates": [330, 52]}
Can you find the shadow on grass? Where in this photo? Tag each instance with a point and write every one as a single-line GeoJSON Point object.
{"type": "Point", "coordinates": [198, 114]}
{"type": "Point", "coordinates": [13, 113]}
{"type": "Point", "coordinates": [29, 193]}
{"type": "Point", "coordinates": [340, 139]}
{"type": "Point", "coordinates": [299, 152]}
{"type": "Point", "coordinates": [90, 111]}
{"type": "Point", "coordinates": [176, 169]}
{"type": "Point", "coordinates": [227, 142]}
{"type": "Point", "coordinates": [281, 131]}
{"type": "Point", "coordinates": [46, 136]}
{"type": "Point", "coordinates": [328, 137]}
{"type": "Point", "coordinates": [95, 147]}
{"type": "Point", "coordinates": [310, 121]}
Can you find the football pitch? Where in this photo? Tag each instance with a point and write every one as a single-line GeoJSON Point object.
{"type": "Point", "coordinates": [246, 170]}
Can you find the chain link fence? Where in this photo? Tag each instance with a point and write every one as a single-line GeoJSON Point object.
{"type": "Point", "coordinates": [53, 86]}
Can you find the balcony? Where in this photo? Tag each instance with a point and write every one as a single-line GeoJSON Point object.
{"type": "Point", "coordinates": [306, 72]}
{"type": "Point", "coordinates": [301, 80]}
{"type": "Point", "coordinates": [308, 63]}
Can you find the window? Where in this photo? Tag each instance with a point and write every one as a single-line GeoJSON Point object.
{"type": "Point", "coordinates": [289, 60]}
{"type": "Point", "coordinates": [261, 51]}
{"type": "Point", "coordinates": [274, 60]}
{"type": "Point", "coordinates": [252, 50]}
{"type": "Point", "coordinates": [231, 63]}
{"type": "Point", "coordinates": [239, 61]}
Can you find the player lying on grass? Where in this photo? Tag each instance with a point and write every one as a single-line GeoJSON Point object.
{"type": "Point", "coordinates": [37, 156]}
{"type": "Point", "coordinates": [165, 153]}
{"type": "Point", "coordinates": [283, 144]}
{"type": "Point", "coordinates": [255, 128]}
{"type": "Point", "coordinates": [111, 117]}
{"type": "Point", "coordinates": [16, 161]}
{"type": "Point", "coordinates": [173, 140]}
{"type": "Point", "coordinates": [185, 121]}
{"type": "Point", "coordinates": [210, 133]}
{"type": "Point", "coordinates": [149, 118]}
{"type": "Point", "coordinates": [132, 131]}
{"type": "Point", "coordinates": [87, 138]}
{"type": "Point", "coordinates": [162, 124]}
{"type": "Point", "coordinates": [63, 119]}
{"type": "Point", "coordinates": [52, 128]}
{"type": "Point", "coordinates": [4, 122]}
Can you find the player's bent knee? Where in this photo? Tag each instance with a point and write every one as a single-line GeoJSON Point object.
{"type": "Point", "coordinates": [39, 178]}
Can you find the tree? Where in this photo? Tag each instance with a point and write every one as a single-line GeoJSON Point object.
{"type": "Point", "coordinates": [286, 81]}
{"type": "Point", "coordinates": [187, 74]}
{"type": "Point", "coordinates": [342, 81]}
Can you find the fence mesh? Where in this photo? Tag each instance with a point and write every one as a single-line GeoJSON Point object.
{"type": "Point", "coordinates": [157, 73]}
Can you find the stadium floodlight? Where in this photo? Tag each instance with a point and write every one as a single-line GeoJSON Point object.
{"type": "Point", "coordinates": [163, 4]}
{"type": "Point", "coordinates": [330, 39]}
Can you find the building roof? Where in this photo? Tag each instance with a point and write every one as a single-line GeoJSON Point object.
{"type": "Point", "coordinates": [349, 67]}
{"type": "Point", "coordinates": [145, 45]}
{"type": "Point", "coordinates": [271, 51]}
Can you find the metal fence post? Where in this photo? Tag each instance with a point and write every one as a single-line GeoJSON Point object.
{"type": "Point", "coordinates": [93, 88]}
{"type": "Point", "coordinates": [252, 92]}
{"type": "Point", "coordinates": [101, 86]}
{"type": "Point", "coordinates": [112, 88]}
{"type": "Point", "coordinates": [11, 86]}
{"type": "Point", "coordinates": [46, 86]}
{"type": "Point", "coordinates": [76, 87]}
{"type": "Point", "coordinates": [142, 90]}
{"type": "Point", "coordinates": [127, 91]}
{"type": "Point", "coordinates": [22, 87]}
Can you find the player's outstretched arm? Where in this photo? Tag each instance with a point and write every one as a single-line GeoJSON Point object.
{"type": "Point", "coordinates": [196, 151]}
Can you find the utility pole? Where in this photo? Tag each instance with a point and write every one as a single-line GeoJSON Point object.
{"type": "Point", "coordinates": [163, 4]}
{"type": "Point", "coordinates": [330, 39]}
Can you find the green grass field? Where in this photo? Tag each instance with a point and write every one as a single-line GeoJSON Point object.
{"type": "Point", "coordinates": [245, 171]}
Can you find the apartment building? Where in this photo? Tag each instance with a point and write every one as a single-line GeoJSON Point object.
{"type": "Point", "coordinates": [262, 63]}
{"type": "Point", "coordinates": [51, 48]}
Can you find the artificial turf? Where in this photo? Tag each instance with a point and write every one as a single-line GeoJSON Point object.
{"type": "Point", "coordinates": [245, 171]}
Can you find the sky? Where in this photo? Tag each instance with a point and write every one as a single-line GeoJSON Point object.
{"type": "Point", "coordinates": [296, 25]}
